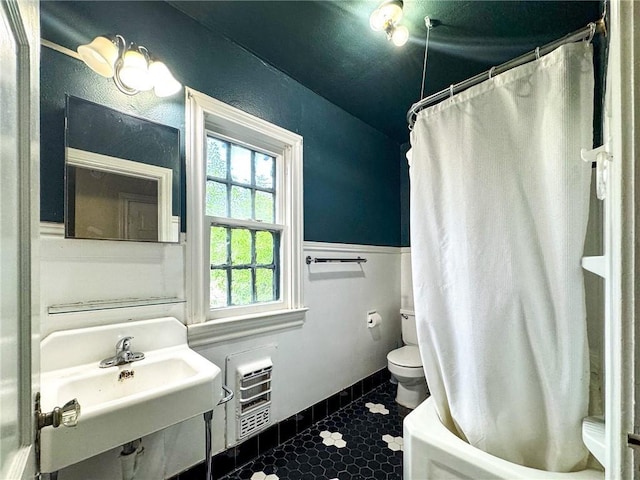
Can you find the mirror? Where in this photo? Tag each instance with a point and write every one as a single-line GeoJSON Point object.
{"type": "Point", "coordinates": [122, 176]}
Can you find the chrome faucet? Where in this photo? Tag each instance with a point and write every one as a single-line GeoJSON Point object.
{"type": "Point", "coordinates": [123, 354]}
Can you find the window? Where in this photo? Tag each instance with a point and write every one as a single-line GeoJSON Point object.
{"type": "Point", "coordinates": [245, 255]}
{"type": "Point", "coordinates": [244, 223]}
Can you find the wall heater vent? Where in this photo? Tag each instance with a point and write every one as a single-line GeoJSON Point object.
{"type": "Point", "coordinates": [253, 388]}
{"type": "Point", "coordinates": [250, 374]}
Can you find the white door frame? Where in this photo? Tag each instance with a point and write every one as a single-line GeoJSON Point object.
{"type": "Point", "coordinates": [23, 20]}
{"type": "Point", "coordinates": [125, 199]}
{"type": "Point", "coordinates": [623, 299]}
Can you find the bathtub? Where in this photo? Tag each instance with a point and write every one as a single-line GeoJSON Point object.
{"type": "Point", "coordinates": [432, 452]}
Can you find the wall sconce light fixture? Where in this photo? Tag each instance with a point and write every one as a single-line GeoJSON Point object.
{"type": "Point", "coordinates": [131, 66]}
{"type": "Point", "coordinates": [387, 17]}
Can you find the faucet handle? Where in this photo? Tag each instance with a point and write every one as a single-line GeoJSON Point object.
{"type": "Point", "coordinates": [123, 344]}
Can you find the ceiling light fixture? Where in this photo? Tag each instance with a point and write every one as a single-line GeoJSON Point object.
{"type": "Point", "coordinates": [131, 66]}
{"type": "Point", "coordinates": [387, 18]}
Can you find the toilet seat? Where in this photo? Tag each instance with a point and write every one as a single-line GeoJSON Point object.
{"type": "Point", "coordinates": [407, 356]}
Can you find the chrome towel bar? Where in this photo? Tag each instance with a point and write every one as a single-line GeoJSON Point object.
{"type": "Point", "coordinates": [309, 260]}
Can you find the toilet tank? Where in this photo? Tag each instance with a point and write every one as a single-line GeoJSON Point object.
{"type": "Point", "coordinates": [409, 330]}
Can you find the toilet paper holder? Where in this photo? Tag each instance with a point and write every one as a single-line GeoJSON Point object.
{"type": "Point", "coordinates": [373, 319]}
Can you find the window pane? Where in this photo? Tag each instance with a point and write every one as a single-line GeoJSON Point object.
{"type": "Point", "coordinates": [218, 289]}
{"type": "Point", "coordinates": [240, 202]}
{"type": "Point", "coordinates": [264, 170]}
{"type": "Point", "coordinates": [264, 206]}
{"type": "Point", "coordinates": [217, 199]}
{"type": "Point", "coordinates": [217, 158]}
{"type": "Point", "coordinates": [264, 285]}
{"type": "Point", "coordinates": [240, 246]}
{"type": "Point", "coordinates": [241, 287]}
{"type": "Point", "coordinates": [218, 246]}
{"type": "Point", "coordinates": [264, 248]}
{"type": "Point", "coordinates": [240, 164]}
{"type": "Point", "coordinates": [244, 260]}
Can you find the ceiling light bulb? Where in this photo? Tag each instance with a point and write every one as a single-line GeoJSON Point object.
{"type": "Point", "coordinates": [134, 72]}
{"type": "Point", "coordinates": [164, 84]}
{"type": "Point", "coordinates": [100, 55]}
{"type": "Point", "coordinates": [391, 11]}
{"type": "Point", "coordinates": [377, 20]}
{"type": "Point", "coordinates": [400, 35]}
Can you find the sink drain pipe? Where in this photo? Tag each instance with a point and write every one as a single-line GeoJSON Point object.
{"type": "Point", "coordinates": [129, 459]}
{"type": "Point", "coordinates": [207, 430]}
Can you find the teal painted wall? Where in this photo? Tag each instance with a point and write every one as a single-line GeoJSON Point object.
{"type": "Point", "coordinates": [351, 172]}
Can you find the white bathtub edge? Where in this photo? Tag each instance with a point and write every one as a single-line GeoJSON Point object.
{"type": "Point", "coordinates": [431, 452]}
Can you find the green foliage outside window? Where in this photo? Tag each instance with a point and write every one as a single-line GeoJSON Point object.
{"type": "Point", "coordinates": [244, 260]}
{"type": "Point", "coordinates": [217, 157]}
{"type": "Point", "coordinates": [242, 266]}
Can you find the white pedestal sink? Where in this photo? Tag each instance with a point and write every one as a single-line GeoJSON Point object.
{"type": "Point", "coordinates": [121, 404]}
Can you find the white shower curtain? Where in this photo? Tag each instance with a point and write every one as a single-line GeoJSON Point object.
{"type": "Point", "coordinates": [499, 203]}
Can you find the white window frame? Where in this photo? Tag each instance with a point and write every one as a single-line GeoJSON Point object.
{"type": "Point", "coordinates": [207, 115]}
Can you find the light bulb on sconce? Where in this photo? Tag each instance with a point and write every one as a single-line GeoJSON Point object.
{"type": "Point", "coordinates": [131, 67]}
{"type": "Point", "coordinates": [386, 18]}
{"type": "Point", "coordinates": [164, 84]}
{"type": "Point", "coordinates": [133, 72]}
{"type": "Point", "coordinates": [100, 55]}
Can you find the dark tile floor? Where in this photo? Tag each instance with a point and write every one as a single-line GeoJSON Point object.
{"type": "Point", "coordinates": [359, 442]}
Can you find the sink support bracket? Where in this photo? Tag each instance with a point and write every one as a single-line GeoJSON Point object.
{"type": "Point", "coordinates": [207, 442]}
{"type": "Point", "coordinates": [207, 430]}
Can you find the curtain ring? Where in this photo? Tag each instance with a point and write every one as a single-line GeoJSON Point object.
{"type": "Point", "coordinates": [451, 90]}
{"type": "Point", "coordinates": [537, 53]}
{"type": "Point", "coordinates": [592, 32]}
{"type": "Point", "coordinates": [491, 70]}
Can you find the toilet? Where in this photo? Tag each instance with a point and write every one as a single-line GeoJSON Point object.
{"type": "Point", "coordinates": [405, 365]}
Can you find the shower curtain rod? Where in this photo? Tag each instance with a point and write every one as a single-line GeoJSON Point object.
{"type": "Point", "coordinates": [585, 33]}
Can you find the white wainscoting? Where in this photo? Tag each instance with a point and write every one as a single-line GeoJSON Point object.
{"type": "Point", "coordinates": [84, 271]}
{"type": "Point", "coordinates": [333, 348]}
{"type": "Point", "coordinates": [330, 351]}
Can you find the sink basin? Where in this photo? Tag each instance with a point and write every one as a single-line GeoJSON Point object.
{"type": "Point", "coordinates": [101, 387]}
{"type": "Point", "coordinates": [121, 404]}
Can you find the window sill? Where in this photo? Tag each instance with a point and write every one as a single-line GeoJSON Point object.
{"type": "Point", "coordinates": [222, 330]}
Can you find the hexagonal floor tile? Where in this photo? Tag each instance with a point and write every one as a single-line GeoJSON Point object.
{"type": "Point", "coordinates": [394, 443]}
{"type": "Point", "coordinates": [377, 408]}
{"type": "Point", "coordinates": [346, 445]}
{"type": "Point", "coordinates": [264, 476]}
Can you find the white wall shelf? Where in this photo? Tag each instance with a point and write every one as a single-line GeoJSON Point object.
{"type": "Point", "coordinates": [595, 265]}
{"type": "Point", "coordinates": [593, 436]}
{"type": "Point", "coordinates": [110, 304]}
